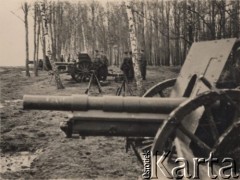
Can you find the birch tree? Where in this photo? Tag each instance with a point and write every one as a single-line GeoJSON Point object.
{"type": "Point", "coordinates": [164, 29]}
{"type": "Point", "coordinates": [25, 8]}
{"type": "Point", "coordinates": [35, 39]}
{"type": "Point", "coordinates": [47, 34]}
{"type": "Point", "coordinates": [135, 48]}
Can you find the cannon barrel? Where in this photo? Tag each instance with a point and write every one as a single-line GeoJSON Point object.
{"type": "Point", "coordinates": [105, 103]}
{"type": "Point", "coordinates": [107, 115]}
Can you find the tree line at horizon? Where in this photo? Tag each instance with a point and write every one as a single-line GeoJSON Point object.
{"type": "Point", "coordinates": [164, 29]}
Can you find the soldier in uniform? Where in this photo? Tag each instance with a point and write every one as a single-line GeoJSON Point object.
{"type": "Point", "coordinates": [143, 64]}
{"type": "Point", "coordinates": [48, 64]}
{"type": "Point", "coordinates": [62, 58]}
{"type": "Point", "coordinates": [97, 64]}
{"type": "Point", "coordinates": [127, 66]}
{"type": "Point", "coordinates": [69, 58]}
{"type": "Point", "coordinates": [104, 68]}
{"type": "Point", "coordinates": [40, 64]}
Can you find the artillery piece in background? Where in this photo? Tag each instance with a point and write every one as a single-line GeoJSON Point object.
{"type": "Point", "coordinates": [196, 118]}
{"type": "Point", "coordinates": [80, 70]}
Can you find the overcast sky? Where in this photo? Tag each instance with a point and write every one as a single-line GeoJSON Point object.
{"type": "Point", "coordinates": [12, 34]}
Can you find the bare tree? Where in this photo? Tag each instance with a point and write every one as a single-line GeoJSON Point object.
{"type": "Point", "coordinates": [47, 33]}
{"type": "Point", "coordinates": [25, 8]}
{"type": "Point", "coordinates": [35, 39]}
{"type": "Point", "coordinates": [135, 49]}
{"type": "Point", "coordinates": [165, 29]}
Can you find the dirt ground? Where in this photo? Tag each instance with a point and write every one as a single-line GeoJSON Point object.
{"type": "Point", "coordinates": [33, 146]}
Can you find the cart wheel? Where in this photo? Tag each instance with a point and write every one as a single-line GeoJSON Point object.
{"type": "Point", "coordinates": [161, 89]}
{"type": "Point", "coordinates": [82, 72]}
{"type": "Point", "coordinates": [219, 113]}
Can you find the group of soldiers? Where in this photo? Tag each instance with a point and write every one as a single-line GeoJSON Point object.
{"type": "Point", "coordinates": [47, 66]}
{"type": "Point", "coordinates": [127, 65]}
{"type": "Point", "coordinates": [100, 65]}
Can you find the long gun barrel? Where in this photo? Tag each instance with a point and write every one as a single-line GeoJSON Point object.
{"type": "Point", "coordinates": [105, 103]}
{"type": "Point", "coordinates": [107, 115]}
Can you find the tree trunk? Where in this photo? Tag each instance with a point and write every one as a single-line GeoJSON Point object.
{"type": "Point", "coordinates": [43, 46]}
{"type": "Point", "coordinates": [135, 50]}
{"type": "Point", "coordinates": [83, 36]}
{"type": "Point", "coordinates": [93, 28]}
{"type": "Point", "coordinates": [25, 10]}
{"type": "Point", "coordinates": [48, 36]}
{"type": "Point", "coordinates": [35, 60]}
{"type": "Point", "coordinates": [38, 35]}
{"type": "Point", "coordinates": [213, 20]}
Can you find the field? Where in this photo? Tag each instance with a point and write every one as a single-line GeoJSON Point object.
{"type": "Point", "coordinates": [33, 146]}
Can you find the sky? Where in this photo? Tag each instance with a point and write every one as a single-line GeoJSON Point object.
{"type": "Point", "coordinates": [12, 33]}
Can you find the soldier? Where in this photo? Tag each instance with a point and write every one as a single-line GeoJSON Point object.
{"type": "Point", "coordinates": [62, 58]}
{"type": "Point", "coordinates": [48, 64]}
{"type": "Point", "coordinates": [143, 64]}
{"type": "Point", "coordinates": [104, 68]}
{"type": "Point", "coordinates": [69, 58]}
{"type": "Point", "coordinates": [40, 64]}
{"type": "Point", "coordinates": [124, 66]}
{"type": "Point", "coordinates": [127, 66]}
{"type": "Point", "coordinates": [97, 64]}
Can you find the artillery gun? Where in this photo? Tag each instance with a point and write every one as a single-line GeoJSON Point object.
{"type": "Point", "coordinates": [196, 118]}
{"type": "Point", "coordinates": [80, 70]}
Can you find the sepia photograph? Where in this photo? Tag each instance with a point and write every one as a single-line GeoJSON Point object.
{"type": "Point", "coordinates": [120, 89]}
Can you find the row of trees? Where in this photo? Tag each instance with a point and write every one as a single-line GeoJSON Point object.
{"type": "Point", "coordinates": [165, 29]}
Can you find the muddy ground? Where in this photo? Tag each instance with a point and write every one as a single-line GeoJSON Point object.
{"type": "Point", "coordinates": [33, 147]}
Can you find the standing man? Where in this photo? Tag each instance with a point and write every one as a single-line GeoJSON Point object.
{"type": "Point", "coordinates": [48, 64]}
{"type": "Point", "coordinates": [69, 58]}
{"type": "Point", "coordinates": [143, 64]}
{"type": "Point", "coordinates": [127, 65]}
{"type": "Point", "coordinates": [104, 68]}
{"type": "Point", "coordinates": [62, 58]}
{"type": "Point", "coordinates": [124, 67]}
{"type": "Point", "coordinates": [97, 64]}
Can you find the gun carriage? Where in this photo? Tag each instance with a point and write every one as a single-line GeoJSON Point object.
{"type": "Point", "coordinates": [195, 113]}
{"type": "Point", "coordinates": [82, 69]}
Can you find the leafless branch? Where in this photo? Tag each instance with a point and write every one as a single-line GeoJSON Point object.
{"type": "Point", "coordinates": [17, 16]}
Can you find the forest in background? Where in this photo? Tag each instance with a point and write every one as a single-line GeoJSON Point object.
{"type": "Point", "coordinates": [164, 29]}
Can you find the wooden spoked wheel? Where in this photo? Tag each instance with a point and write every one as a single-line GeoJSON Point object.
{"type": "Point", "coordinates": [82, 71]}
{"type": "Point", "coordinates": [161, 89]}
{"type": "Point", "coordinates": [219, 116]}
